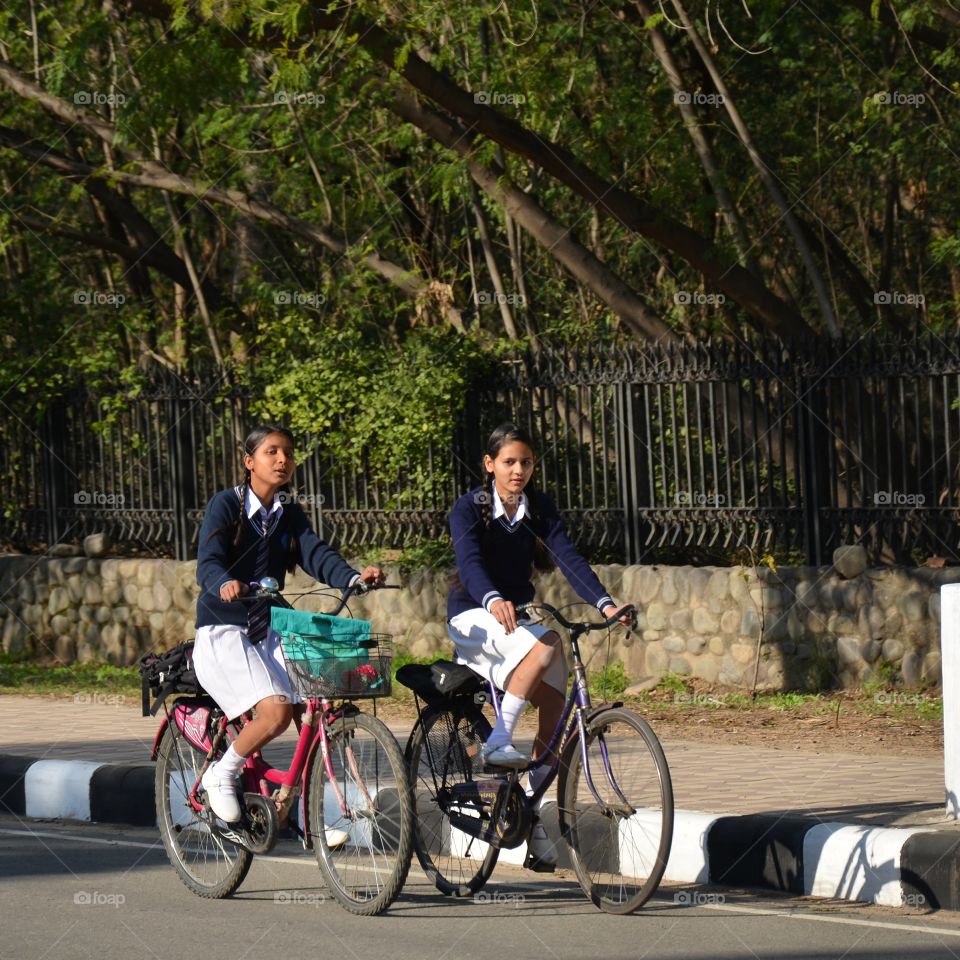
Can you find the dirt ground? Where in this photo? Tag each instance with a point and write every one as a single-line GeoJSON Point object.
{"type": "Point", "coordinates": [895, 724]}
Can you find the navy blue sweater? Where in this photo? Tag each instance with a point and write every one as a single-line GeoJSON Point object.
{"type": "Point", "coordinates": [497, 564]}
{"type": "Point", "coordinates": [218, 560]}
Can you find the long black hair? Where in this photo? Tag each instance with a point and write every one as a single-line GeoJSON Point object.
{"type": "Point", "coordinates": [501, 436]}
{"type": "Point", "coordinates": [250, 446]}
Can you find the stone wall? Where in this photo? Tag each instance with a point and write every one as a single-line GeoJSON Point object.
{"type": "Point", "coordinates": [820, 629]}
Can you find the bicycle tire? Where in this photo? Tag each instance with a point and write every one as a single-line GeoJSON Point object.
{"type": "Point", "coordinates": [441, 753]}
{"type": "Point", "coordinates": [619, 857]}
{"type": "Point", "coordinates": [208, 865]}
{"type": "Point", "coordinates": [366, 874]}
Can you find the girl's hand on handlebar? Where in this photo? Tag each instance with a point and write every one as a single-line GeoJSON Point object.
{"type": "Point", "coordinates": [628, 619]}
{"type": "Point", "coordinates": [233, 590]}
{"type": "Point", "coordinates": [373, 576]}
{"type": "Point", "coordinates": [505, 614]}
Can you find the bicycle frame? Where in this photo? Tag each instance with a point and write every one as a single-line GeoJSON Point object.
{"type": "Point", "coordinates": [577, 710]}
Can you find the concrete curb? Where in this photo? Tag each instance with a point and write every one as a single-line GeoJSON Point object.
{"type": "Point", "coordinates": [890, 866]}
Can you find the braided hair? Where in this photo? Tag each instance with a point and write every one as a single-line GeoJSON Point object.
{"type": "Point", "coordinates": [504, 434]}
{"type": "Point", "coordinates": [250, 445]}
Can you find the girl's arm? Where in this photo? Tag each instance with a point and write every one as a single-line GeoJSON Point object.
{"type": "Point", "coordinates": [213, 552]}
{"type": "Point", "coordinates": [318, 558]}
{"type": "Point", "coordinates": [466, 529]}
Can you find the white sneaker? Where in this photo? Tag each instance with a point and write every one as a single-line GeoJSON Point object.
{"type": "Point", "coordinates": [503, 755]}
{"type": "Point", "coordinates": [335, 838]}
{"type": "Point", "coordinates": [222, 795]}
{"type": "Point", "coordinates": [541, 851]}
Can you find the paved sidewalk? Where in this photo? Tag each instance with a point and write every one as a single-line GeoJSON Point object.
{"type": "Point", "coordinates": [707, 776]}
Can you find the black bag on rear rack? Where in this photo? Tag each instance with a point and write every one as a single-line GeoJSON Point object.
{"type": "Point", "coordinates": [167, 673]}
{"type": "Point", "coordinates": [441, 681]}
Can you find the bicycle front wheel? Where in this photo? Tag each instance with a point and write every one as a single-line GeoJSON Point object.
{"type": "Point", "coordinates": [445, 746]}
{"type": "Point", "coordinates": [209, 865]}
{"type": "Point", "coordinates": [619, 833]}
{"type": "Point", "coordinates": [362, 820]}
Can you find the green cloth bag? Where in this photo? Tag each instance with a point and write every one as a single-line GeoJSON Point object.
{"type": "Point", "coordinates": [325, 646]}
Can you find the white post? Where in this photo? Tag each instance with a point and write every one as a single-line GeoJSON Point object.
{"type": "Point", "coordinates": [950, 658]}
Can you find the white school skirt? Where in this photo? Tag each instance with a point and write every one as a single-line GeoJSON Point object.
{"type": "Point", "coordinates": [237, 673]}
{"type": "Point", "coordinates": [484, 646]}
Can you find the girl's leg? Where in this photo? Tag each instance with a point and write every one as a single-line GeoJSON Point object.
{"type": "Point", "coordinates": [524, 681]}
{"type": "Point", "coordinates": [273, 716]}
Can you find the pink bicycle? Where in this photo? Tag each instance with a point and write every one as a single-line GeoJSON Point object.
{"type": "Point", "coordinates": [347, 768]}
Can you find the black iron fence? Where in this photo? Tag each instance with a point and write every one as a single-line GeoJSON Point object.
{"type": "Point", "coordinates": [694, 453]}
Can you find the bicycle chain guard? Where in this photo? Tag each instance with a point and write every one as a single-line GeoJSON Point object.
{"type": "Point", "coordinates": [495, 811]}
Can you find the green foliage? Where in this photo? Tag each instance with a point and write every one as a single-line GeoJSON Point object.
{"type": "Point", "coordinates": [609, 681]}
{"type": "Point", "coordinates": [18, 674]}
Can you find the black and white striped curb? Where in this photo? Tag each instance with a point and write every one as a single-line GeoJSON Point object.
{"type": "Point", "coordinates": [891, 866]}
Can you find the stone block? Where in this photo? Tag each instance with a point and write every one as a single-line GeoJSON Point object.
{"type": "Point", "coordinates": [668, 590]}
{"type": "Point", "coordinates": [699, 579]}
{"type": "Point", "coordinates": [97, 544]}
{"type": "Point", "coordinates": [719, 586]}
{"type": "Point", "coordinates": [717, 646]}
{"type": "Point", "coordinates": [59, 600]}
{"type": "Point", "coordinates": [850, 560]}
{"type": "Point", "coordinates": [749, 622]}
{"type": "Point", "coordinates": [730, 621]}
{"type": "Point", "coordinates": [92, 593]}
{"type": "Point", "coordinates": [680, 620]}
{"type": "Point", "coordinates": [656, 659]}
{"type": "Point", "coordinates": [183, 599]}
{"type": "Point", "coordinates": [742, 653]}
{"type": "Point", "coordinates": [145, 571]}
{"type": "Point", "coordinates": [680, 666]}
{"type": "Point", "coordinates": [910, 668]}
{"type": "Point", "coordinates": [932, 667]}
{"type": "Point", "coordinates": [131, 594]}
{"type": "Point", "coordinates": [848, 650]}
{"type": "Point", "coordinates": [161, 596]}
{"type": "Point", "coordinates": [74, 587]}
{"type": "Point", "coordinates": [913, 606]}
{"type": "Point", "coordinates": [706, 668]}
{"type": "Point", "coordinates": [696, 645]}
{"type": "Point", "coordinates": [60, 625]}
{"type": "Point", "coordinates": [656, 616]}
{"type": "Point", "coordinates": [145, 598]}
{"type": "Point", "coordinates": [704, 621]}
{"type": "Point", "coordinates": [674, 644]}
{"type": "Point", "coordinates": [870, 650]}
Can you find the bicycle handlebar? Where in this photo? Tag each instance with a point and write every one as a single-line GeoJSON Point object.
{"type": "Point", "coordinates": [583, 626]}
{"type": "Point", "coordinates": [268, 588]}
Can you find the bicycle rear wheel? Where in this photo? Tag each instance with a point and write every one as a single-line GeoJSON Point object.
{"type": "Point", "coordinates": [209, 865]}
{"type": "Point", "coordinates": [619, 845]}
{"type": "Point", "coordinates": [444, 746]}
{"type": "Point", "coordinates": [369, 801]}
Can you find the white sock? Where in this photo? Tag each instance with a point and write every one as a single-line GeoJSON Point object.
{"type": "Point", "coordinates": [511, 707]}
{"type": "Point", "coordinates": [230, 763]}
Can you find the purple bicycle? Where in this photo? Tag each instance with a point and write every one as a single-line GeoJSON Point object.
{"type": "Point", "coordinates": [614, 794]}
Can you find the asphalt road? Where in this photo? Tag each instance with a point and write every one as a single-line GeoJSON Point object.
{"type": "Point", "coordinates": [83, 891]}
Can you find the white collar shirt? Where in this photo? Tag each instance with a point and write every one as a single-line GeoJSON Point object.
{"type": "Point", "coordinates": [500, 511]}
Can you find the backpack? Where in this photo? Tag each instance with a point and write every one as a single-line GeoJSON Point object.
{"type": "Point", "coordinates": [439, 682]}
{"type": "Point", "coordinates": [167, 673]}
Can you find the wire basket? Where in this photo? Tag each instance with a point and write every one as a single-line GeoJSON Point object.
{"type": "Point", "coordinates": [333, 657]}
